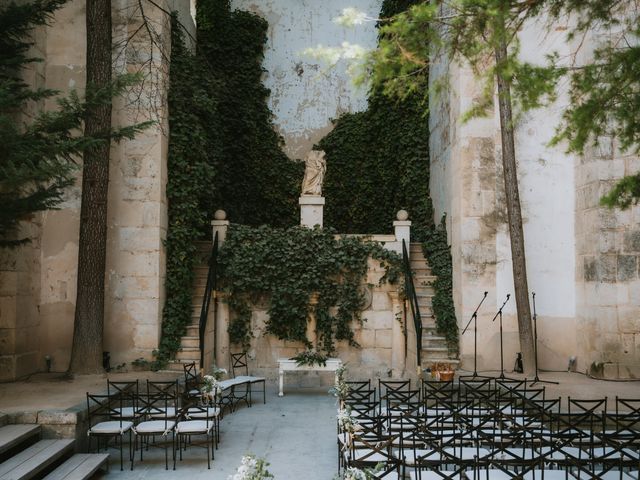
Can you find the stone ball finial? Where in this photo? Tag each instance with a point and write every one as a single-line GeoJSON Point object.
{"type": "Point", "coordinates": [402, 215]}
{"type": "Point", "coordinates": [220, 215]}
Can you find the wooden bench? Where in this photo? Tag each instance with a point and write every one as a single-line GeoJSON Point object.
{"type": "Point", "coordinates": [13, 435]}
{"type": "Point", "coordinates": [38, 457]}
{"type": "Point", "coordinates": [79, 467]}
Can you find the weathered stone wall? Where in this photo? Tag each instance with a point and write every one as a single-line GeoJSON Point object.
{"type": "Point", "coordinates": [582, 260]}
{"type": "Point", "coordinates": [384, 352]}
{"type": "Point", "coordinates": [38, 281]}
{"type": "Point", "coordinates": [305, 94]}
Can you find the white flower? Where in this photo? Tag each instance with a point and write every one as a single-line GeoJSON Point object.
{"type": "Point", "coordinates": [353, 473]}
{"type": "Point", "coordinates": [329, 55]}
{"type": "Point", "coordinates": [352, 51]}
{"type": "Point", "coordinates": [351, 17]}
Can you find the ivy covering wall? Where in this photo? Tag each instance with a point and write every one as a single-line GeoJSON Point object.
{"type": "Point", "coordinates": [378, 163]}
{"type": "Point", "coordinates": [289, 267]}
{"type": "Point", "coordinates": [256, 183]}
{"type": "Point", "coordinates": [223, 149]}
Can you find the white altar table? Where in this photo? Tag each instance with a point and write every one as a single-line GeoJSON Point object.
{"type": "Point", "coordinates": [288, 365]}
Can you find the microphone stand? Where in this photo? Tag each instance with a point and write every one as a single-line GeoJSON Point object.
{"type": "Point", "coordinates": [474, 317]}
{"type": "Point", "coordinates": [536, 379]}
{"type": "Point", "coordinates": [499, 314]}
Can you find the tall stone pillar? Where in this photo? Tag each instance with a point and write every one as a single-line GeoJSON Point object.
{"type": "Point", "coordinates": [402, 227]}
{"type": "Point", "coordinates": [398, 353]}
{"type": "Point", "coordinates": [220, 225]}
{"type": "Point", "coordinates": [222, 331]}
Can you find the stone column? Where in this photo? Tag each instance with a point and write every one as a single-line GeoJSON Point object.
{"type": "Point", "coordinates": [222, 333]}
{"type": "Point", "coordinates": [311, 210]}
{"type": "Point", "coordinates": [220, 225]}
{"type": "Point", "coordinates": [398, 354]}
{"type": "Point", "coordinates": [402, 227]}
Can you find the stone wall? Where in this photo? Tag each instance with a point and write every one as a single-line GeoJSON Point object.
{"type": "Point", "coordinates": [385, 350]}
{"type": "Point", "coordinates": [306, 95]}
{"type": "Point", "coordinates": [582, 260]}
{"type": "Point", "coordinates": [38, 281]}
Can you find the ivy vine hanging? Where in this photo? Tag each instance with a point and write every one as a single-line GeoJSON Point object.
{"type": "Point", "coordinates": [288, 267]}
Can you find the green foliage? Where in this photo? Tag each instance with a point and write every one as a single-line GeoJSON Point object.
{"type": "Point", "coordinates": [256, 182]}
{"type": "Point", "coordinates": [310, 357]}
{"type": "Point", "coordinates": [378, 163]}
{"type": "Point", "coordinates": [624, 194]}
{"type": "Point", "coordinates": [39, 149]}
{"type": "Point", "coordinates": [438, 252]}
{"type": "Point", "coordinates": [290, 266]}
{"type": "Point", "coordinates": [192, 170]}
{"type": "Point", "coordinates": [223, 150]}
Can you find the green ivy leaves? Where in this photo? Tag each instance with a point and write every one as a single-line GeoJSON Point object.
{"type": "Point", "coordinates": [291, 266]}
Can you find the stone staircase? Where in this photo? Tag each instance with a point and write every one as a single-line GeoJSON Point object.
{"type": "Point", "coordinates": [434, 346]}
{"type": "Point", "coordinates": [190, 350]}
{"type": "Point", "coordinates": [24, 456]}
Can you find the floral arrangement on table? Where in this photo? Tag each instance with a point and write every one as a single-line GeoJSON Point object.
{"type": "Point", "coordinates": [210, 387]}
{"type": "Point", "coordinates": [251, 468]}
{"type": "Point", "coordinates": [310, 357]}
{"type": "Point", "coordinates": [340, 388]}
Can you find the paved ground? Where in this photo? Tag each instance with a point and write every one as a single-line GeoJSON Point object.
{"type": "Point", "coordinates": [296, 433]}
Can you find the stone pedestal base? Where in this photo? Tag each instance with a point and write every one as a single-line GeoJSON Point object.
{"type": "Point", "coordinates": [311, 210]}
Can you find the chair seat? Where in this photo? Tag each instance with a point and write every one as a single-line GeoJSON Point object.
{"type": "Point", "coordinates": [151, 427]}
{"type": "Point", "coordinates": [493, 474]}
{"type": "Point", "coordinates": [250, 378]}
{"type": "Point", "coordinates": [210, 412]}
{"type": "Point", "coordinates": [110, 428]}
{"type": "Point", "coordinates": [194, 427]}
{"type": "Point", "coordinates": [545, 474]}
{"type": "Point", "coordinates": [126, 412]}
{"type": "Point", "coordinates": [610, 475]}
{"type": "Point", "coordinates": [169, 412]}
{"type": "Point", "coordinates": [231, 382]}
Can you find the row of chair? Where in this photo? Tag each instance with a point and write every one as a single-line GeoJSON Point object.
{"type": "Point", "coordinates": [165, 413]}
{"type": "Point", "coordinates": [486, 428]}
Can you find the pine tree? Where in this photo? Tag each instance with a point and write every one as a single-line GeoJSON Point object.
{"type": "Point", "coordinates": [37, 152]}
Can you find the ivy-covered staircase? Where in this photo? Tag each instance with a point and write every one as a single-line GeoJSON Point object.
{"type": "Point", "coordinates": [190, 350]}
{"type": "Point", "coordinates": [434, 346]}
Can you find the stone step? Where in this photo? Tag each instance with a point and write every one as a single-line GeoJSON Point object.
{"type": "Point", "coordinates": [13, 435]}
{"type": "Point", "coordinates": [433, 340]}
{"type": "Point", "coordinates": [436, 350]}
{"type": "Point", "coordinates": [190, 342]}
{"type": "Point", "coordinates": [4, 419]}
{"type": "Point", "coordinates": [178, 365]}
{"type": "Point", "coordinates": [31, 462]}
{"type": "Point", "coordinates": [423, 280]}
{"type": "Point", "coordinates": [81, 466]}
{"type": "Point", "coordinates": [190, 353]}
{"type": "Point", "coordinates": [193, 330]}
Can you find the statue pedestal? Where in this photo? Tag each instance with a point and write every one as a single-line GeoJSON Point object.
{"type": "Point", "coordinates": [311, 207]}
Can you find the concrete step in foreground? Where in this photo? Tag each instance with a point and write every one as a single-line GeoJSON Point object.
{"type": "Point", "coordinates": [36, 459]}
{"type": "Point", "coordinates": [80, 467]}
{"type": "Point", "coordinates": [11, 436]}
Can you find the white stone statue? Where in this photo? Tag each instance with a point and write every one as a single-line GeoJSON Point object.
{"type": "Point", "coordinates": [314, 171]}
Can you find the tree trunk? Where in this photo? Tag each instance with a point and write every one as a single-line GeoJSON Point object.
{"type": "Point", "coordinates": [86, 353]}
{"type": "Point", "coordinates": [514, 214]}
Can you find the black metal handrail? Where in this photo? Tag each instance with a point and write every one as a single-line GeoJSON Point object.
{"type": "Point", "coordinates": [212, 284]}
{"type": "Point", "coordinates": [410, 291]}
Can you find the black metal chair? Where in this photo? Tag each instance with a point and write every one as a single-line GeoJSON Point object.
{"type": "Point", "coordinates": [197, 421]}
{"type": "Point", "coordinates": [240, 371]}
{"type": "Point", "coordinates": [106, 422]}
